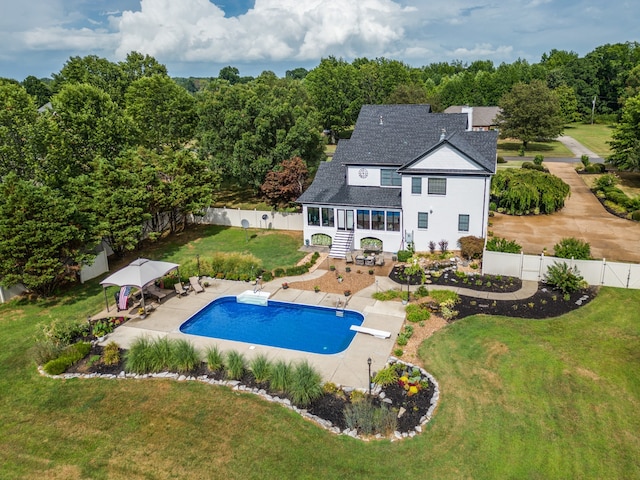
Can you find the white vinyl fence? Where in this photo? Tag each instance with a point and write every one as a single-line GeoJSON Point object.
{"type": "Point", "coordinates": [534, 267]}
{"type": "Point", "coordinates": [254, 219]}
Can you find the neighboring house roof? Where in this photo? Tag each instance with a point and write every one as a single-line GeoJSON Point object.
{"type": "Point", "coordinates": [394, 136]}
{"type": "Point", "coordinates": [482, 116]}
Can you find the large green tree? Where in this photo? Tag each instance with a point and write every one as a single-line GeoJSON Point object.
{"type": "Point", "coordinates": [625, 141]}
{"type": "Point", "coordinates": [530, 112]}
{"type": "Point", "coordinates": [247, 129]}
{"type": "Point", "coordinates": [44, 236]}
{"type": "Point", "coordinates": [163, 113]}
{"type": "Point", "coordinates": [17, 116]}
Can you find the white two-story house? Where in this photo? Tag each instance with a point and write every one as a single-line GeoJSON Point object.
{"type": "Point", "coordinates": [405, 175]}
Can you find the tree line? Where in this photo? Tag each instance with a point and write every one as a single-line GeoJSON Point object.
{"type": "Point", "coordinates": [119, 151]}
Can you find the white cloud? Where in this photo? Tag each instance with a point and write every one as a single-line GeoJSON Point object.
{"type": "Point", "coordinates": [482, 50]}
{"type": "Point", "coordinates": [196, 30]}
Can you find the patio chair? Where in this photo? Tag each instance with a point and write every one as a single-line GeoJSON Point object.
{"type": "Point", "coordinates": [195, 284]}
{"type": "Point", "coordinates": [348, 258]}
{"type": "Point", "coordinates": [181, 289]}
{"type": "Point", "coordinates": [158, 293]}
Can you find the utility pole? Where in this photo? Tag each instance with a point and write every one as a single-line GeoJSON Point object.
{"type": "Point", "coordinates": [593, 107]}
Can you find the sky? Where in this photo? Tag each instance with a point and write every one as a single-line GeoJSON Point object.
{"type": "Point", "coordinates": [199, 37]}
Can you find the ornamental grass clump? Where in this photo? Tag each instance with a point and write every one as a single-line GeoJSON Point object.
{"type": "Point", "coordinates": [260, 366]}
{"type": "Point", "coordinates": [138, 359]}
{"type": "Point", "coordinates": [280, 376]}
{"type": "Point", "coordinates": [234, 364]}
{"type": "Point", "coordinates": [386, 376]}
{"type": "Point", "coordinates": [184, 357]}
{"type": "Point", "coordinates": [160, 354]}
{"type": "Point", "coordinates": [306, 384]}
{"type": "Point", "coordinates": [214, 358]}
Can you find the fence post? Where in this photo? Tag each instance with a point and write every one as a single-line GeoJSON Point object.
{"type": "Point", "coordinates": [540, 266]}
{"type": "Point", "coordinates": [602, 273]}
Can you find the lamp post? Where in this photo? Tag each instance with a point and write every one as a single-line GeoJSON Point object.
{"type": "Point", "coordinates": [369, 364]}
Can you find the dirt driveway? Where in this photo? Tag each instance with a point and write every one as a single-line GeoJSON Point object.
{"type": "Point", "coordinates": [582, 217]}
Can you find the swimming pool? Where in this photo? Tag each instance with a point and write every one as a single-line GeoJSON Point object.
{"type": "Point", "coordinates": [306, 328]}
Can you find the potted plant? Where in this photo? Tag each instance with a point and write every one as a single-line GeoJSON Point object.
{"type": "Point", "coordinates": [347, 293]}
{"type": "Point", "coordinates": [347, 269]}
{"type": "Point", "coordinates": [339, 277]}
{"type": "Point", "coordinates": [316, 289]}
{"type": "Point", "coordinates": [142, 312]}
{"type": "Point", "coordinates": [285, 285]}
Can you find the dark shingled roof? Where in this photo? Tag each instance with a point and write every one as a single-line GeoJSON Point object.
{"type": "Point", "coordinates": [394, 135]}
{"type": "Point", "coordinates": [330, 188]}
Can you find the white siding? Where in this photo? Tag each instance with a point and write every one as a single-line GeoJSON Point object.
{"type": "Point", "coordinates": [465, 195]}
{"type": "Point", "coordinates": [372, 180]}
{"type": "Point", "coordinates": [445, 158]}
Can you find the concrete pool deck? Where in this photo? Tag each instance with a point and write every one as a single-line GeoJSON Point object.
{"type": "Point", "coordinates": [348, 368]}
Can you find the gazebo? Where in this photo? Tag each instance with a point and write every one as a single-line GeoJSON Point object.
{"type": "Point", "coordinates": [139, 273]}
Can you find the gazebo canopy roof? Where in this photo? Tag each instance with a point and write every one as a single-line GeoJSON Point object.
{"type": "Point", "coordinates": [139, 273]}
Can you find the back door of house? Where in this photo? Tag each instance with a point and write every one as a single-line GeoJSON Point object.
{"type": "Point", "coordinates": [345, 219]}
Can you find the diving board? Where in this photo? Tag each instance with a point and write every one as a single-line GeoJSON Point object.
{"type": "Point", "coordinates": [371, 331]}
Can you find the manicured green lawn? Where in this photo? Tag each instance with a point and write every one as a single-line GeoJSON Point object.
{"type": "Point", "coordinates": [509, 148]}
{"type": "Point", "coordinates": [519, 399]}
{"type": "Point", "coordinates": [274, 248]}
{"type": "Point", "coordinates": [594, 137]}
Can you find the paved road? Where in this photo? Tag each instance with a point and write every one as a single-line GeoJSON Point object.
{"type": "Point", "coordinates": [577, 148]}
{"type": "Point", "coordinates": [582, 217]}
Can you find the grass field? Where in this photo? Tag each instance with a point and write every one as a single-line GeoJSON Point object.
{"type": "Point", "coordinates": [509, 148]}
{"type": "Point", "coordinates": [544, 399]}
{"type": "Point", "coordinates": [594, 137]}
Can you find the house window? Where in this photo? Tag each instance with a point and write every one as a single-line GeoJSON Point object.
{"type": "Point", "coordinates": [377, 220]}
{"type": "Point", "coordinates": [416, 185]}
{"type": "Point", "coordinates": [463, 223]}
{"type": "Point", "coordinates": [313, 216]}
{"type": "Point", "coordinates": [393, 221]}
{"type": "Point", "coordinates": [423, 220]}
{"type": "Point", "coordinates": [437, 186]}
{"type": "Point", "coordinates": [363, 220]}
{"type": "Point", "coordinates": [327, 217]}
{"type": "Point", "coordinates": [389, 177]}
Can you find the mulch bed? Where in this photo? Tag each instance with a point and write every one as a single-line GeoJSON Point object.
{"type": "Point", "coordinates": [448, 277]}
{"type": "Point", "coordinates": [329, 406]}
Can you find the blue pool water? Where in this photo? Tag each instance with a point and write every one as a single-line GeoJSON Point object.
{"type": "Point", "coordinates": [279, 324]}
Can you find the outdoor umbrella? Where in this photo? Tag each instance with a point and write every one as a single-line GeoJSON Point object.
{"type": "Point", "coordinates": [139, 273]}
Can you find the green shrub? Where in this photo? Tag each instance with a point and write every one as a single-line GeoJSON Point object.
{"type": "Point", "coordinates": [386, 376]}
{"type": "Point", "coordinates": [585, 160]}
{"type": "Point", "coordinates": [278, 272]}
{"type": "Point", "coordinates": [69, 356]}
{"type": "Point", "coordinates": [111, 354]}
{"type": "Point", "coordinates": [571, 247]}
{"type": "Point", "coordinates": [564, 278]}
{"type": "Point", "coordinates": [402, 340]}
{"type": "Point", "coordinates": [538, 159]}
{"type": "Point", "coordinates": [306, 384]}
{"type": "Point", "coordinates": [421, 291]}
{"type": "Point", "coordinates": [160, 354]}
{"type": "Point", "coordinates": [280, 376]}
{"type": "Point", "coordinates": [386, 295]}
{"type": "Point", "coordinates": [260, 366]}
{"type": "Point", "coordinates": [499, 244]}
{"type": "Point", "coordinates": [533, 166]}
{"type": "Point", "coordinates": [234, 365]}
{"type": "Point", "coordinates": [471, 247]}
{"type": "Point", "coordinates": [493, 206]}
{"type": "Point", "coordinates": [444, 296]}
{"type": "Point", "coordinates": [214, 358]}
{"type": "Point", "coordinates": [523, 190]}
{"type": "Point", "coordinates": [64, 332]}
{"type": "Point", "coordinates": [635, 215]}
{"type": "Point", "coordinates": [368, 419]}
{"type": "Point", "coordinates": [267, 276]}
{"type": "Point", "coordinates": [606, 181]}
{"type": "Point", "coordinates": [501, 160]}
{"type": "Point", "coordinates": [416, 313]}
{"type": "Point", "coordinates": [404, 255]}
{"type": "Point", "coordinates": [45, 350]}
